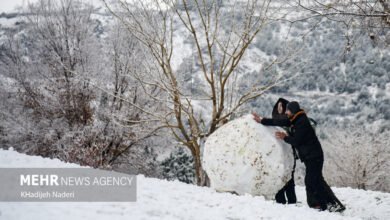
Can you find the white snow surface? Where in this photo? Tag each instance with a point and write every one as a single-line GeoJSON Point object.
{"type": "Point", "coordinates": [244, 156]}
{"type": "Point", "coordinates": [160, 199]}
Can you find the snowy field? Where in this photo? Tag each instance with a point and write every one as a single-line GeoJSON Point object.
{"type": "Point", "coordinates": [160, 199]}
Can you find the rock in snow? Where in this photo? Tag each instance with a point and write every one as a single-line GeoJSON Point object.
{"type": "Point", "coordinates": [244, 156]}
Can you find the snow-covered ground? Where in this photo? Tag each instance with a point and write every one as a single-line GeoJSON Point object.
{"type": "Point", "coordinates": [160, 199]}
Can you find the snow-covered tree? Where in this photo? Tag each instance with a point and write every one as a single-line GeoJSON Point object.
{"type": "Point", "coordinates": [221, 35]}
{"type": "Point", "coordinates": [357, 157]}
{"type": "Point", "coordinates": [63, 76]}
{"type": "Point", "coordinates": [179, 165]}
{"type": "Point", "coordinates": [57, 39]}
{"type": "Point", "coordinates": [368, 18]}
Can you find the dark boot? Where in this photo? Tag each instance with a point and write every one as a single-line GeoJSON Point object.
{"type": "Point", "coordinates": [290, 192]}
{"type": "Point", "coordinates": [279, 197]}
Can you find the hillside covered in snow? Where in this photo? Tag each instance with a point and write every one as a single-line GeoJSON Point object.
{"type": "Point", "coordinates": [160, 199]}
{"type": "Point", "coordinates": [77, 85]}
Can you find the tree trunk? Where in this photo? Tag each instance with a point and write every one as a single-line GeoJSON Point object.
{"type": "Point", "coordinates": [201, 176]}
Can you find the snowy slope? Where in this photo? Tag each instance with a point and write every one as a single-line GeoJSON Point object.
{"type": "Point", "coordinates": [160, 199]}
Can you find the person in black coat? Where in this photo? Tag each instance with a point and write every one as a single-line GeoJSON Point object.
{"type": "Point", "coordinates": [288, 190]}
{"type": "Point", "coordinates": [302, 136]}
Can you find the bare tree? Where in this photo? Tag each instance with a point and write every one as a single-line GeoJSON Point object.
{"type": "Point", "coordinates": [56, 63]}
{"type": "Point", "coordinates": [357, 157]}
{"type": "Point", "coordinates": [221, 34]}
{"type": "Point", "coordinates": [370, 18]}
{"type": "Point", "coordinates": [123, 53]}
{"type": "Point", "coordinates": [51, 97]}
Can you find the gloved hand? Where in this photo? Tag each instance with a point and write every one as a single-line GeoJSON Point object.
{"type": "Point", "coordinates": [280, 135]}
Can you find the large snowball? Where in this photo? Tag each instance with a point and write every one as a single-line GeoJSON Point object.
{"type": "Point", "coordinates": [244, 156]}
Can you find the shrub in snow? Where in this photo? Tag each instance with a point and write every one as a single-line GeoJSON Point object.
{"type": "Point", "coordinates": [179, 165]}
{"type": "Point", "coordinates": [244, 156]}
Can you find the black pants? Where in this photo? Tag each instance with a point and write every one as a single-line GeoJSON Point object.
{"type": "Point", "coordinates": [314, 182]}
{"type": "Point", "coordinates": [289, 190]}
{"type": "Point", "coordinates": [330, 197]}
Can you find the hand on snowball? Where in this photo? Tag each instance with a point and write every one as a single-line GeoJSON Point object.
{"type": "Point", "coordinates": [280, 135]}
{"type": "Point", "coordinates": [256, 117]}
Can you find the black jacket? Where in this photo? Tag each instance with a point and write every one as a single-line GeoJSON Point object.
{"type": "Point", "coordinates": [302, 135]}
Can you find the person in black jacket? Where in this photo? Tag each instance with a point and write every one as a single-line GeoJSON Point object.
{"type": "Point", "coordinates": [288, 190]}
{"type": "Point", "coordinates": [302, 136]}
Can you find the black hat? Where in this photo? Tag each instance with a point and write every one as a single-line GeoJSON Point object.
{"type": "Point", "coordinates": [293, 107]}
